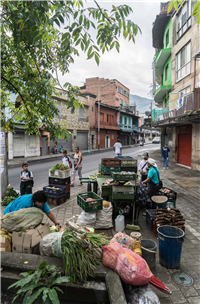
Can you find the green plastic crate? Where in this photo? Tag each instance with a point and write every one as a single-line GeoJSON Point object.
{"type": "Point", "coordinates": [108, 170]}
{"type": "Point", "coordinates": [128, 162]}
{"type": "Point", "coordinates": [123, 193]}
{"type": "Point", "coordinates": [123, 177]}
{"type": "Point", "coordinates": [89, 206]}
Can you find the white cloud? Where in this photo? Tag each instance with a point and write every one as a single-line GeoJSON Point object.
{"type": "Point", "coordinates": [132, 66]}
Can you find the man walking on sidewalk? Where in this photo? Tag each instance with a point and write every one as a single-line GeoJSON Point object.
{"type": "Point", "coordinates": [118, 148]}
{"type": "Point", "coordinates": [165, 151]}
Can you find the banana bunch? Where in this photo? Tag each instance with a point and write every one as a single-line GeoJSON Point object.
{"type": "Point", "coordinates": [6, 234]}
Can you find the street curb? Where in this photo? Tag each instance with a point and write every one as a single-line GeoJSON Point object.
{"type": "Point", "coordinates": [83, 153]}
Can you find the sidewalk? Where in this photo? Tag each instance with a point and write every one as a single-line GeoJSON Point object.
{"type": "Point", "coordinates": [186, 183]}
{"type": "Point", "coordinates": [18, 161]}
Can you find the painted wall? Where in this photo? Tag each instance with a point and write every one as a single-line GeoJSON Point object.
{"type": "Point", "coordinates": [168, 27]}
{"type": "Point", "coordinates": [112, 135]}
{"type": "Point", "coordinates": [167, 81]}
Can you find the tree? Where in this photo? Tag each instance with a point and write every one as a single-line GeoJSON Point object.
{"type": "Point", "coordinates": [176, 3]}
{"type": "Point", "coordinates": [33, 48]}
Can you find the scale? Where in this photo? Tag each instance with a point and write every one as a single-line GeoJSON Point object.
{"type": "Point", "coordinates": [159, 200]}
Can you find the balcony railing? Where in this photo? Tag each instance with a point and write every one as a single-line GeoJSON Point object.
{"type": "Point", "coordinates": [110, 124]}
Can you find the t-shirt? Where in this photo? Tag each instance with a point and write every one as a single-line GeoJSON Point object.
{"type": "Point", "coordinates": [165, 152]}
{"type": "Point", "coordinates": [22, 202]}
{"type": "Point", "coordinates": [152, 174]}
{"type": "Point", "coordinates": [143, 165]}
{"type": "Point", "coordinates": [26, 175]}
{"type": "Point", "coordinates": [117, 146]}
{"type": "Point", "coordinates": [66, 161]}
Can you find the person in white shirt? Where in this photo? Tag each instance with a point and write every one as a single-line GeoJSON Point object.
{"type": "Point", "coordinates": [66, 160]}
{"type": "Point", "coordinates": [26, 180]}
{"type": "Point", "coordinates": [118, 148]}
{"type": "Point", "coordinates": [143, 167]}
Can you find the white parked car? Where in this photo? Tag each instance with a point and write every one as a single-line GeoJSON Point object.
{"type": "Point", "coordinates": [156, 140]}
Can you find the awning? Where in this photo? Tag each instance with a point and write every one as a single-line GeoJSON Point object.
{"type": "Point", "coordinates": [126, 131]}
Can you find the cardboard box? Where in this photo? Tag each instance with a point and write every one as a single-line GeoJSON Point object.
{"type": "Point", "coordinates": [6, 244]}
{"type": "Point", "coordinates": [27, 241]}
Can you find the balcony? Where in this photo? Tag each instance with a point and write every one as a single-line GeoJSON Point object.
{"type": "Point", "coordinates": [161, 59]}
{"type": "Point", "coordinates": [108, 125]}
{"type": "Point", "coordinates": [160, 93]}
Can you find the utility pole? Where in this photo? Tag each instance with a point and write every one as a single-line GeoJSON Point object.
{"type": "Point", "coordinates": [4, 168]}
{"type": "Point", "coordinates": [151, 119]}
{"type": "Point", "coordinates": [99, 111]}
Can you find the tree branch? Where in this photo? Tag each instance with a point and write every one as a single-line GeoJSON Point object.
{"type": "Point", "coordinates": [102, 11]}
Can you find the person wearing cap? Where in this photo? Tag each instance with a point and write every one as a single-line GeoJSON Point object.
{"type": "Point", "coordinates": [143, 168]}
{"type": "Point", "coordinates": [153, 177]}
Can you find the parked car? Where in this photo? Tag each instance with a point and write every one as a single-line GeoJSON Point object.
{"type": "Point", "coordinates": [156, 140]}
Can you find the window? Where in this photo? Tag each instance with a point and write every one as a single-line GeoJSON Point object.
{"type": "Point", "coordinates": [123, 92]}
{"type": "Point", "coordinates": [167, 38]}
{"type": "Point", "coordinates": [184, 92]}
{"type": "Point", "coordinates": [101, 116]}
{"type": "Point", "coordinates": [108, 117]}
{"type": "Point", "coordinates": [166, 72]}
{"type": "Point", "coordinates": [121, 102]}
{"type": "Point", "coordinates": [81, 114]}
{"type": "Point", "coordinates": [120, 119]}
{"type": "Point", "coordinates": [125, 121]}
{"type": "Point", "coordinates": [183, 19]}
{"type": "Point", "coordinates": [183, 62]}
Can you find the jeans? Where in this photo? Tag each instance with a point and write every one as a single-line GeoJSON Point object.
{"type": "Point", "coordinates": [167, 162]}
{"type": "Point", "coordinates": [74, 172]}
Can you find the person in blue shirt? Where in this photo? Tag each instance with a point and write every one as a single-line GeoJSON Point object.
{"type": "Point", "coordinates": [165, 157]}
{"type": "Point", "coordinates": [153, 177]}
{"type": "Point", "coordinates": [38, 200]}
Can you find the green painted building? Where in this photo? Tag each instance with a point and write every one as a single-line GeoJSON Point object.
{"type": "Point", "coordinates": [128, 123]}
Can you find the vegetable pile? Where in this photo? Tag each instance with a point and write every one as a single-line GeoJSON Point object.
{"type": "Point", "coordinates": [59, 166]}
{"type": "Point", "coordinates": [81, 253]}
{"type": "Point", "coordinates": [11, 195]}
{"type": "Point", "coordinates": [94, 177]}
{"type": "Point", "coordinates": [171, 217]}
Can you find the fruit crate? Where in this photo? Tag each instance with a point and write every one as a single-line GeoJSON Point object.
{"type": "Point", "coordinates": [123, 193]}
{"type": "Point", "coordinates": [60, 173]}
{"type": "Point", "coordinates": [111, 162]}
{"type": "Point", "coordinates": [55, 192]}
{"type": "Point", "coordinates": [172, 196]}
{"type": "Point", "coordinates": [92, 206]}
{"type": "Point", "coordinates": [129, 169]}
{"type": "Point", "coordinates": [109, 170]}
{"type": "Point", "coordinates": [149, 214]}
{"type": "Point", "coordinates": [59, 181]}
{"type": "Point", "coordinates": [128, 162]}
{"type": "Point", "coordinates": [123, 177]}
{"type": "Point", "coordinates": [58, 200]}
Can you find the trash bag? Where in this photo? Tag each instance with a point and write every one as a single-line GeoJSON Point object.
{"type": "Point", "coordinates": [131, 268]}
{"type": "Point", "coordinates": [50, 245]}
{"type": "Point", "coordinates": [142, 198]}
{"type": "Point", "coordinates": [87, 219]}
{"type": "Point", "coordinates": [124, 240]}
{"type": "Point", "coordinates": [140, 295]}
{"type": "Point", "coordinates": [22, 219]}
{"type": "Point", "coordinates": [104, 218]}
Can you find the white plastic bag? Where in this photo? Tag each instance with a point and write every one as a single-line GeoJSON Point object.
{"type": "Point", "coordinates": [50, 245]}
{"type": "Point", "coordinates": [87, 219]}
{"type": "Point", "coordinates": [140, 295]}
{"type": "Point", "coordinates": [104, 218]}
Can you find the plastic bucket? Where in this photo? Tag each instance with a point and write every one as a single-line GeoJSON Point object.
{"type": "Point", "coordinates": [170, 240]}
{"type": "Point", "coordinates": [149, 249]}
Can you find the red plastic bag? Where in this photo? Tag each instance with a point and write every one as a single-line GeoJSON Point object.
{"type": "Point", "coordinates": [131, 268]}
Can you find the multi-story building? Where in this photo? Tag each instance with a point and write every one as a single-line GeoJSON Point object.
{"type": "Point", "coordinates": [77, 123]}
{"type": "Point", "coordinates": [128, 123]}
{"type": "Point", "coordinates": [180, 117]}
{"type": "Point", "coordinates": [113, 93]}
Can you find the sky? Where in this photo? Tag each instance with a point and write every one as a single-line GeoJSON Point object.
{"type": "Point", "coordinates": [132, 65]}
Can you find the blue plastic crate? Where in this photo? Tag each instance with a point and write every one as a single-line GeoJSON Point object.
{"type": "Point", "coordinates": [56, 192]}
{"type": "Point", "coordinates": [149, 214]}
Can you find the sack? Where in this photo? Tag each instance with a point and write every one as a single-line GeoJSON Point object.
{"type": "Point", "coordinates": [22, 219]}
{"type": "Point", "coordinates": [104, 218]}
{"type": "Point", "coordinates": [140, 294]}
{"type": "Point", "coordinates": [131, 268]}
{"type": "Point", "coordinates": [124, 240]}
{"type": "Point", "coordinates": [50, 245]}
{"type": "Point", "coordinates": [87, 219]}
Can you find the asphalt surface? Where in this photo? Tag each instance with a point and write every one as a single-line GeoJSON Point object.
{"type": "Point", "coordinates": [90, 165]}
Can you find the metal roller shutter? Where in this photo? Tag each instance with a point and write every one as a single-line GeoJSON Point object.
{"type": "Point", "coordinates": [18, 145]}
{"type": "Point", "coordinates": [62, 142]}
{"type": "Point", "coordinates": [82, 140]}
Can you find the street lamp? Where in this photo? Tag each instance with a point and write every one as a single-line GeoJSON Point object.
{"type": "Point", "coordinates": [99, 111]}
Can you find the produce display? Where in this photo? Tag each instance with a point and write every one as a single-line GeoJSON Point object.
{"type": "Point", "coordinates": [170, 217]}
{"type": "Point", "coordinates": [168, 192]}
{"type": "Point", "coordinates": [91, 201]}
{"type": "Point", "coordinates": [7, 200]}
{"type": "Point", "coordinates": [6, 234]}
{"type": "Point", "coordinates": [165, 190]}
{"type": "Point", "coordinates": [106, 204]}
{"type": "Point", "coordinates": [54, 187]}
{"type": "Point", "coordinates": [59, 166]}
{"type": "Point", "coordinates": [81, 253]}
{"type": "Point", "coordinates": [94, 177]}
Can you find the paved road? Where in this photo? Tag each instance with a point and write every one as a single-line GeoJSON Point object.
{"type": "Point", "coordinates": [90, 165]}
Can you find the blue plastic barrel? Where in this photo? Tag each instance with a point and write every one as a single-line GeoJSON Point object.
{"type": "Point", "coordinates": [170, 241]}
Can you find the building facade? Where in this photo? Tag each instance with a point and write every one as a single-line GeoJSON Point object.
{"type": "Point", "coordinates": [180, 121]}
{"type": "Point", "coordinates": [77, 123]}
{"type": "Point", "coordinates": [128, 123]}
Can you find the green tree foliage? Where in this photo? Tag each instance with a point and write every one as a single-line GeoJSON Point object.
{"type": "Point", "coordinates": [196, 11]}
{"type": "Point", "coordinates": [38, 38]}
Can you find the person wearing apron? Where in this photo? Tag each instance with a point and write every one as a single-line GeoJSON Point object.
{"type": "Point", "coordinates": [77, 166]}
{"type": "Point", "coordinates": [153, 178]}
